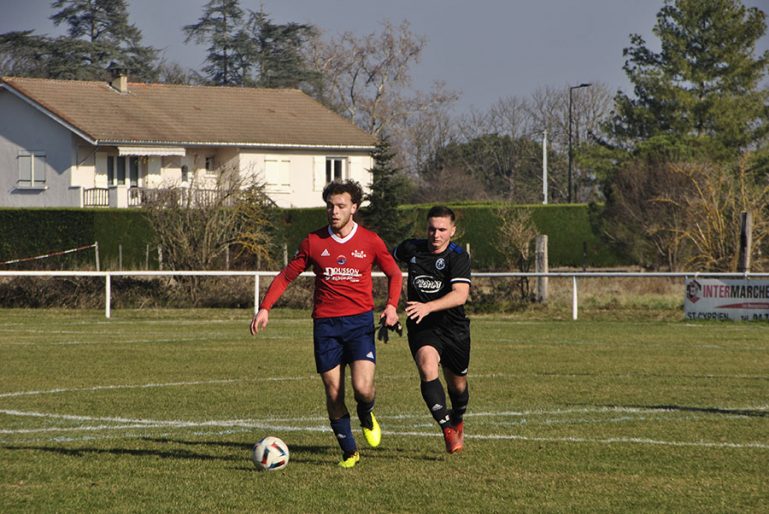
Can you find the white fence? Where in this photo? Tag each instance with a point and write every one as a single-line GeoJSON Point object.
{"type": "Point", "coordinates": [575, 277]}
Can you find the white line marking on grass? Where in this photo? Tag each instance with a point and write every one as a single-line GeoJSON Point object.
{"type": "Point", "coordinates": [270, 424]}
{"type": "Point", "coordinates": [148, 386]}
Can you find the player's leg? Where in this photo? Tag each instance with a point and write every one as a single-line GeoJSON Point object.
{"type": "Point", "coordinates": [360, 353]}
{"type": "Point", "coordinates": [459, 394]}
{"type": "Point", "coordinates": [428, 361]}
{"type": "Point", "coordinates": [456, 361]}
{"type": "Point", "coordinates": [328, 364]}
{"type": "Point", "coordinates": [333, 383]}
{"type": "Point", "coordinates": [362, 376]}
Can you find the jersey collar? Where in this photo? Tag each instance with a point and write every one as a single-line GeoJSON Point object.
{"type": "Point", "coordinates": [345, 239]}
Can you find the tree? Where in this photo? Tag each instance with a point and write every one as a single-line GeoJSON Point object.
{"type": "Point", "coordinates": [98, 33]}
{"type": "Point", "coordinates": [367, 80]}
{"type": "Point", "coordinates": [702, 85]}
{"type": "Point", "coordinates": [698, 110]}
{"type": "Point", "coordinates": [278, 52]}
{"type": "Point", "coordinates": [197, 226]}
{"type": "Point", "coordinates": [388, 188]}
{"type": "Point", "coordinates": [507, 168]}
{"type": "Point", "coordinates": [222, 27]}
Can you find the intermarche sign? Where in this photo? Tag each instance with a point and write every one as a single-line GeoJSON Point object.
{"type": "Point", "coordinates": [739, 300]}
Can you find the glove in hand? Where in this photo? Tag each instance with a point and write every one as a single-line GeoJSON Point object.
{"type": "Point", "coordinates": [384, 331]}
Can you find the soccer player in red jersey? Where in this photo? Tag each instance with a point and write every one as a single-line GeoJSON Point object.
{"type": "Point", "coordinates": [342, 256]}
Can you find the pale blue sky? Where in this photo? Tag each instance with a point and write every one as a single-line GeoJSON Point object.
{"type": "Point", "coordinates": [485, 49]}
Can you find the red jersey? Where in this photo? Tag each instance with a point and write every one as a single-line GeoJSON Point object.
{"type": "Point", "coordinates": [342, 269]}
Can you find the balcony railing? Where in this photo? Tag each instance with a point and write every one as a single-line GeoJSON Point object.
{"type": "Point", "coordinates": [96, 197]}
{"type": "Point", "coordinates": [139, 196]}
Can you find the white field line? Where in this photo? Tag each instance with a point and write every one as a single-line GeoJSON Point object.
{"type": "Point", "coordinates": [142, 386]}
{"type": "Point", "coordinates": [296, 378]}
{"type": "Point", "coordinates": [145, 424]}
{"type": "Point", "coordinates": [270, 424]}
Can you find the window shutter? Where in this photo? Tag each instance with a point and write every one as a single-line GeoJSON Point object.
{"type": "Point", "coordinates": [318, 173]}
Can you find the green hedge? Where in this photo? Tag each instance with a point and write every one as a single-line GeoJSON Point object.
{"type": "Point", "coordinates": [571, 241]}
{"type": "Point", "coordinates": [29, 232]}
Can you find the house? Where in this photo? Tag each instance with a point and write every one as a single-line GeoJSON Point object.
{"type": "Point", "coordinates": [85, 144]}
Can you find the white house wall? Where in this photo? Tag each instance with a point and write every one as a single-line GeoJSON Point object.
{"type": "Point", "coordinates": [25, 129]}
{"type": "Point", "coordinates": [307, 172]}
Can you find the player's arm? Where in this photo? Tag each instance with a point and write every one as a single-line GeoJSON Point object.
{"type": "Point", "coordinates": [279, 284]}
{"type": "Point", "coordinates": [454, 298]}
{"type": "Point", "coordinates": [391, 270]}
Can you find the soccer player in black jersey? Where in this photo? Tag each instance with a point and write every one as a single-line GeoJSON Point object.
{"type": "Point", "coordinates": [438, 330]}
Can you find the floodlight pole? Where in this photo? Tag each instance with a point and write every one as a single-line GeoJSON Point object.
{"type": "Point", "coordinates": [571, 156]}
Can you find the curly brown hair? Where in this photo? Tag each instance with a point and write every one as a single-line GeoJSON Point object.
{"type": "Point", "coordinates": [339, 187]}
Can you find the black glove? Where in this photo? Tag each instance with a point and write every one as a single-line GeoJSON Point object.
{"type": "Point", "coordinates": [384, 331]}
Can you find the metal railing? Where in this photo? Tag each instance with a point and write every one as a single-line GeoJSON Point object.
{"type": "Point", "coordinates": [575, 277]}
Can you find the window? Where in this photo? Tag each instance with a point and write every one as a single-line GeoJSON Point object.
{"type": "Point", "coordinates": [120, 168]}
{"type": "Point", "coordinates": [185, 174]}
{"type": "Point", "coordinates": [133, 171]}
{"type": "Point", "coordinates": [334, 169]}
{"type": "Point", "coordinates": [32, 169]}
{"type": "Point", "coordinates": [110, 170]}
{"type": "Point", "coordinates": [210, 165]}
{"type": "Point", "coordinates": [277, 175]}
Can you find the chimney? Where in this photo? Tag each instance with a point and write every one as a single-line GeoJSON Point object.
{"type": "Point", "coordinates": [119, 74]}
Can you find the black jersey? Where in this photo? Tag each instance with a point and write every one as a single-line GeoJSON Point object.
{"type": "Point", "coordinates": [431, 276]}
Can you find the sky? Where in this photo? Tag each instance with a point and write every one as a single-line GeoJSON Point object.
{"type": "Point", "coordinates": [485, 50]}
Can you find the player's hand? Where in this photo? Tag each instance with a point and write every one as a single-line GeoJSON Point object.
{"type": "Point", "coordinates": [417, 311]}
{"type": "Point", "coordinates": [259, 320]}
{"type": "Point", "coordinates": [390, 315]}
{"type": "Point", "coordinates": [383, 334]}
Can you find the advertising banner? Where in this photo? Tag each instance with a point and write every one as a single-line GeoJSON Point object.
{"type": "Point", "coordinates": [740, 300]}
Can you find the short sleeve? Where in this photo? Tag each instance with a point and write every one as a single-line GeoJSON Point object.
{"type": "Point", "coordinates": [405, 251]}
{"type": "Point", "coordinates": [460, 268]}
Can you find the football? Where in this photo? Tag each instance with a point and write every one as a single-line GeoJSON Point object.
{"type": "Point", "coordinates": [270, 454]}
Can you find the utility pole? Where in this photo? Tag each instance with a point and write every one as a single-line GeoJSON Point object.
{"type": "Point", "coordinates": [544, 167]}
{"type": "Point", "coordinates": [571, 154]}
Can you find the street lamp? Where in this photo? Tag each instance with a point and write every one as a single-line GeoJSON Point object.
{"type": "Point", "coordinates": [572, 88]}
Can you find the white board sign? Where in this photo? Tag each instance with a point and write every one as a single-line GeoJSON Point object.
{"type": "Point", "coordinates": [740, 300]}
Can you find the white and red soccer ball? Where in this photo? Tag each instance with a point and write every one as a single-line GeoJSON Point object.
{"type": "Point", "coordinates": [270, 454]}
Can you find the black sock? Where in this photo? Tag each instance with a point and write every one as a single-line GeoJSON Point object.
{"type": "Point", "coordinates": [364, 413]}
{"type": "Point", "coordinates": [435, 399]}
{"type": "Point", "coordinates": [343, 433]}
{"type": "Point", "coordinates": [459, 403]}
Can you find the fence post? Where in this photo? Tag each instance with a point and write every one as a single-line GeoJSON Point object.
{"type": "Point", "coordinates": [96, 248]}
{"type": "Point", "coordinates": [541, 266]}
{"type": "Point", "coordinates": [746, 242]}
{"type": "Point", "coordinates": [285, 254]}
{"type": "Point", "coordinates": [147, 258]}
{"type": "Point", "coordinates": [574, 297]}
{"type": "Point", "coordinates": [160, 258]}
{"type": "Point", "coordinates": [256, 293]}
{"type": "Point", "coordinates": [107, 294]}
{"type": "Point", "coordinates": [120, 257]}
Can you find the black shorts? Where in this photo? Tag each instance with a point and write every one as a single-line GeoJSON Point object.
{"type": "Point", "coordinates": [452, 343]}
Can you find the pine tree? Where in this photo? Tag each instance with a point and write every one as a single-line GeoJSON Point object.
{"type": "Point", "coordinates": [222, 27]}
{"type": "Point", "coordinates": [98, 33]}
{"type": "Point", "coordinates": [387, 188]}
{"type": "Point", "coordinates": [277, 52]}
{"type": "Point", "coordinates": [702, 87]}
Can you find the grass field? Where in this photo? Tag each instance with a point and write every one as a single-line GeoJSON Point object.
{"type": "Point", "coordinates": [156, 411]}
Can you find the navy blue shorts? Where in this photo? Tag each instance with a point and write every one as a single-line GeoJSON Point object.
{"type": "Point", "coordinates": [343, 340]}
